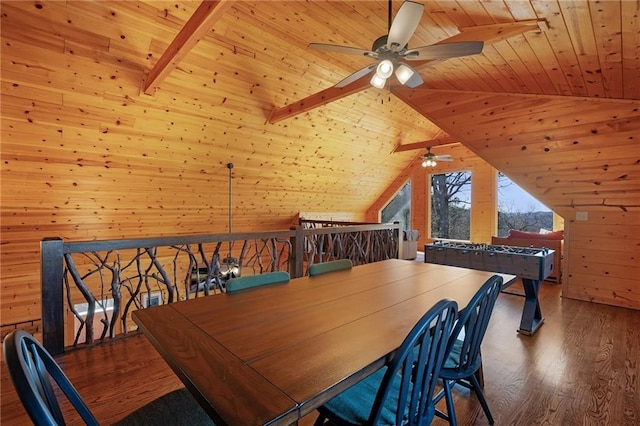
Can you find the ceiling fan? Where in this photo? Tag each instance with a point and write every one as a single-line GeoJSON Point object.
{"type": "Point", "coordinates": [431, 160]}
{"type": "Point", "coordinates": [391, 50]}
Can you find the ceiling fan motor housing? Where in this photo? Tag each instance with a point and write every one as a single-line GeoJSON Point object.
{"type": "Point", "coordinates": [379, 42]}
{"type": "Point", "coordinates": [380, 47]}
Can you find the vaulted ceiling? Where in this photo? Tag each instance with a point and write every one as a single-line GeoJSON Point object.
{"type": "Point", "coordinates": [86, 65]}
{"type": "Point", "coordinates": [544, 103]}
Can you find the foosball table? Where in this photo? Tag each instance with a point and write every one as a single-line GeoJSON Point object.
{"type": "Point", "coordinates": [532, 265]}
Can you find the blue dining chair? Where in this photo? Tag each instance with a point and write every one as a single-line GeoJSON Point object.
{"type": "Point", "coordinates": [31, 369]}
{"type": "Point", "coordinates": [463, 359]}
{"type": "Point", "coordinates": [331, 266]}
{"type": "Point", "coordinates": [402, 391]}
{"type": "Point", "coordinates": [251, 281]}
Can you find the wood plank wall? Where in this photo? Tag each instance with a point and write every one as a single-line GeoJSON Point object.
{"type": "Point", "coordinates": [602, 255]}
{"type": "Point", "coordinates": [579, 157]}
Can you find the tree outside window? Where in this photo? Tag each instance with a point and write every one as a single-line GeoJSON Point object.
{"type": "Point", "coordinates": [451, 205]}
{"type": "Point", "coordinates": [399, 208]}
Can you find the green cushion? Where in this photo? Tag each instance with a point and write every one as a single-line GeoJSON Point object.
{"type": "Point", "coordinates": [243, 283]}
{"type": "Point", "coordinates": [354, 404]}
{"type": "Point", "coordinates": [453, 358]}
{"type": "Point", "coordinates": [334, 265]}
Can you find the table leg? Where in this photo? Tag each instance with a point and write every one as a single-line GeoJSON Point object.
{"type": "Point", "coordinates": [531, 314]}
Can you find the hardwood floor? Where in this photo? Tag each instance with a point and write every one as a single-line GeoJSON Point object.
{"type": "Point", "coordinates": [581, 368]}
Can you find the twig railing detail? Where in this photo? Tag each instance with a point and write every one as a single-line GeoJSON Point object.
{"type": "Point", "coordinates": [104, 281]}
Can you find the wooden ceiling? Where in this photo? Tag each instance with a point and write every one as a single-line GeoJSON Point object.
{"type": "Point", "coordinates": [87, 64]}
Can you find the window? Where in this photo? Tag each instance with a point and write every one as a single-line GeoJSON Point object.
{"type": "Point", "coordinates": [399, 208]}
{"type": "Point", "coordinates": [451, 205]}
{"type": "Point", "coordinates": [517, 209]}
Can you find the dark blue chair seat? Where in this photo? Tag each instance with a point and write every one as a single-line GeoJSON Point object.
{"type": "Point", "coordinates": [354, 405]}
{"type": "Point", "coordinates": [401, 392]}
{"type": "Point", "coordinates": [176, 408]}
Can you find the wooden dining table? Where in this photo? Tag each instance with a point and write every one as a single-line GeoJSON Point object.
{"type": "Point", "coordinates": [273, 354]}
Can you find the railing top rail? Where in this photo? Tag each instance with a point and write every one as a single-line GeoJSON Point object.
{"type": "Point", "coordinates": [84, 246]}
{"type": "Point", "coordinates": [351, 228]}
{"type": "Point", "coordinates": [336, 222]}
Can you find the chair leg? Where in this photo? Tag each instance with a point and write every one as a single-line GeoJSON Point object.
{"type": "Point", "coordinates": [483, 402]}
{"type": "Point", "coordinates": [448, 397]}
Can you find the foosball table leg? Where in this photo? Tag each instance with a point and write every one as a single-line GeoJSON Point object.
{"type": "Point", "coordinates": [531, 315]}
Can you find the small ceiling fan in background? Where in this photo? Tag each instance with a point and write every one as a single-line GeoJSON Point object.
{"type": "Point", "coordinates": [431, 160]}
{"type": "Point", "coordinates": [391, 50]}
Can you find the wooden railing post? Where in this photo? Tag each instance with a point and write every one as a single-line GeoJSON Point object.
{"type": "Point", "coordinates": [52, 290]}
{"type": "Point", "coordinates": [399, 235]}
{"type": "Point", "coordinates": [296, 266]}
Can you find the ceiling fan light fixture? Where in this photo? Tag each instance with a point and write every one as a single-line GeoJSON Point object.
{"type": "Point", "coordinates": [404, 73]}
{"type": "Point", "coordinates": [384, 69]}
{"type": "Point", "coordinates": [377, 81]}
{"type": "Point", "coordinates": [392, 49]}
{"type": "Point", "coordinates": [429, 162]}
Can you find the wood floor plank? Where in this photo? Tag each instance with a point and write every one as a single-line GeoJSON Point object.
{"type": "Point", "coordinates": [582, 367]}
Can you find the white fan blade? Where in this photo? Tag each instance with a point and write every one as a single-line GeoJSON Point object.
{"type": "Point", "coordinates": [444, 50]}
{"type": "Point", "coordinates": [443, 157]}
{"type": "Point", "coordinates": [347, 50]}
{"type": "Point", "coordinates": [356, 75]}
{"type": "Point", "coordinates": [404, 25]}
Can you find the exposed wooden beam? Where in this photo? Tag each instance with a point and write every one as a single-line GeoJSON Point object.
{"type": "Point", "coordinates": [441, 139]}
{"type": "Point", "coordinates": [494, 33]}
{"type": "Point", "coordinates": [196, 27]}
{"type": "Point", "coordinates": [318, 99]}
{"type": "Point", "coordinates": [488, 33]}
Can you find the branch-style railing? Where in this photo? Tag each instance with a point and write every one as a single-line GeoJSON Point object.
{"type": "Point", "coordinates": [314, 223]}
{"type": "Point", "coordinates": [96, 285]}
